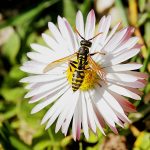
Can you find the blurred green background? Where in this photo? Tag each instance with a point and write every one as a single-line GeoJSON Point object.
{"type": "Point", "coordinates": [21, 23]}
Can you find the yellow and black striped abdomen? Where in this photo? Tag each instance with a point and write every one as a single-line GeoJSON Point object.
{"type": "Point", "coordinates": [77, 79]}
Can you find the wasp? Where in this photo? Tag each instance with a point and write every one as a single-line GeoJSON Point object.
{"type": "Point", "coordinates": [83, 58]}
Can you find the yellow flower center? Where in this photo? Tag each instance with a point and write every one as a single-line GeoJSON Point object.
{"type": "Point", "coordinates": [89, 80]}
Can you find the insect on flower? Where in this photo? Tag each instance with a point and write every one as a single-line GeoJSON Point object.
{"type": "Point", "coordinates": [83, 59]}
{"type": "Point", "coordinates": [84, 76]}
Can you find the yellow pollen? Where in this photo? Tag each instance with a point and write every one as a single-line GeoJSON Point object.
{"type": "Point", "coordinates": [89, 81]}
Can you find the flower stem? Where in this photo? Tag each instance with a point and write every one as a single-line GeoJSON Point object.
{"type": "Point", "coordinates": [51, 134]}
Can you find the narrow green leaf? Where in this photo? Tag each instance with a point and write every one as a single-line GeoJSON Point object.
{"type": "Point", "coordinates": [85, 7]}
{"type": "Point", "coordinates": [44, 144]}
{"type": "Point", "coordinates": [142, 4]}
{"type": "Point", "coordinates": [69, 11]}
{"type": "Point", "coordinates": [29, 14]}
{"type": "Point", "coordinates": [143, 141]}
{"type": "Point", "coordinates": [11, 48]}
{"type": "Point", "coordinates": [122, 12]}
{"type": "Point", "coordinates": [147, 33]}
{"type": "Point", "coordinates": [143, 69]}
{"type": "Point", "coordinates": [142, 19]}
{"type": "Point", "coordinates": [8, 114]}
{"type": "Point", "coordinates": [14, 94]}
{"type": "Point", "coordinates": [18, 144]}
{"type": "Point", "coordinates": [16, 73]}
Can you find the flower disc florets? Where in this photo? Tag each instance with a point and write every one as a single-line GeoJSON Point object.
{"type": "Point", "coordinates": [89, 81]}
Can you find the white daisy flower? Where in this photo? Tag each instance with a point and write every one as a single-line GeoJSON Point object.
{"type": "Point", "coordinates": [106, 77]}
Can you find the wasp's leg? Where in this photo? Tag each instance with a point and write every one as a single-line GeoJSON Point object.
{"type": "Point", "coordinates": [100, 53]}
{"type": "Point", "coordinates": [86, 63]}
{"type": "Point", "coordinates": [87, 68]}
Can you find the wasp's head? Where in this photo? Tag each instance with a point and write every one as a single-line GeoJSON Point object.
{"type": "Point", "coordinates": [86, 43]}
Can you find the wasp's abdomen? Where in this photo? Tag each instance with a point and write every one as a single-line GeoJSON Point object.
{"type": "Point", "coordinates": [77, 79]}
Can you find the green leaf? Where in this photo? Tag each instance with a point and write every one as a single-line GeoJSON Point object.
{"type": "Point", "coordinates": [18, 144]}
{"type": "Point", "coordinates": [143, 141]}
{"type": "Point", "coordinates": [28, 16]}
{"type": "Point", "coordinates": [142, 19]}
{"type": "Point", "coordinates": [11, 47]}
{"type": "Point", "coordinates": [25, 115]}
{"type": "Point", "coordinates": [85, 7]}
{"type": "Point", "coordinates": [142, 4]}
{"type": "Point", "coordinates": [147, 33]}
{"type": "Point", "coordinates": [96, 140]}
{"type": "Point", "coordinates": [14, 94]}
{"type": "Point", "coordinates": [16, 73]}
{"type": "Point", "coordinates": [122, 12]}
{"type": "Point", "coordinates": [69, 11]}
{"type": "Point", "coordinates": [44, 144]}
{"type": "Point", "coordinates": [143, 69]}
{"type": "Point", "coordinates": [147, 88]}
{"type": "Point", "coordinates": [10, 140]}
{"type": "Point", "coordinates": [9, 113]}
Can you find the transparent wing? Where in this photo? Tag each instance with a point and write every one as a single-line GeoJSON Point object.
{"type": "Point", "coordinates": [96, 68]}
{"type": "Point", "coordinates": [58, 62]}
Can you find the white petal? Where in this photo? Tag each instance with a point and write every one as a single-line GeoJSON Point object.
{"type": "Point", "coordinates": [47, 94]}
{"type": "Point", "coordinates": [98, 41]}
{"type": "Point", "coordinates": [111, 101]}
{"type": "Point", "coordinates": [57, 106]}
{"type": "Point", "coordinates": [74, 98]}
{"type": "Point", "coordinates": [29, 86]}
{"type": "Point", "coordinates": [32, 67]}
{"type": "Point", "coordinates": [105, 110]}
{"type": "Point", "coordinates": [90, 25]}
{"type": "Point", "coordinates": [106, 27]}
{"type": "Point", "coordinates": [135, 84]}
{"type": "Point", "coordinates": [113, 60]}
{"type": "Point", "coordinates": [55, 32]}
{"type": "Point", "coordinates": [128, 34]}
{"type": "Point", "coordinates": [126, 105]}
{"type": "Point", "coordinates": [103, 28]}
{"type": "Point", "coordinates": [45, 87]}
{"type": "Point", "coordinates": [112, 33]}
{"type": "Point", "coordinates": [37, 68]}
{"type": "Point", "coordinates": [121, 77]}
{"type": "Point", "coordinates": [84, 117]}
{"type": "Point", "coordinates": [123, 91]}
{"type": "Point", "coordinates": [115, 40]}
{"type": "Point", "coordinates": [138, 75]}
{"type": "Point", "coordinates": [72, 36]}
{"type": "Point", "coordinates": [90, 112]}
{"type": "Point", "coordinates": [98, 125]}
{"type": "Point", "coordinates": [63, 115]}
{"type": "Point", "coordinates": [130, 43]}
{"type": "Point", "coordinates": [76, 125]}
{"type": "Point", "coordinates": [98, 118]}
{"type": "Point", "coordinates": [42, 78]}
{"type": "Point", "coordinates": [47, 102]}
{"type": "Point", "coordinates": [109, 104]}
{"type": "Point", "coordinates": [42, 49]}
{"type": "Point", "coordinates": [123, 67]}
{"type": "Point", "coordinates": [39, 57]}
{"type": "Point", "coordinates": [51, 43]}
{"type": "Point", "coordinates": [80, 25]}
{"type": "Point", "coordinates": [65, 34]}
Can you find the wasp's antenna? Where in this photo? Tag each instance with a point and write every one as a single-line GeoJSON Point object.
{"type": "Point", "coordinates": [79, 34]}
{"type": "Point", "coordinates": [95, 36]}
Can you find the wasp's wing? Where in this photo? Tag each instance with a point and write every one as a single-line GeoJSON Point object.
{"type": "Point", "coordinates": [58, 62]}
{"type": "Point", "coordinates": [96, 68]}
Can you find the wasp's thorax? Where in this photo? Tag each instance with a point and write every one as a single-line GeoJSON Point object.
{"type": "Point", "coordinates": [86, 43]}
